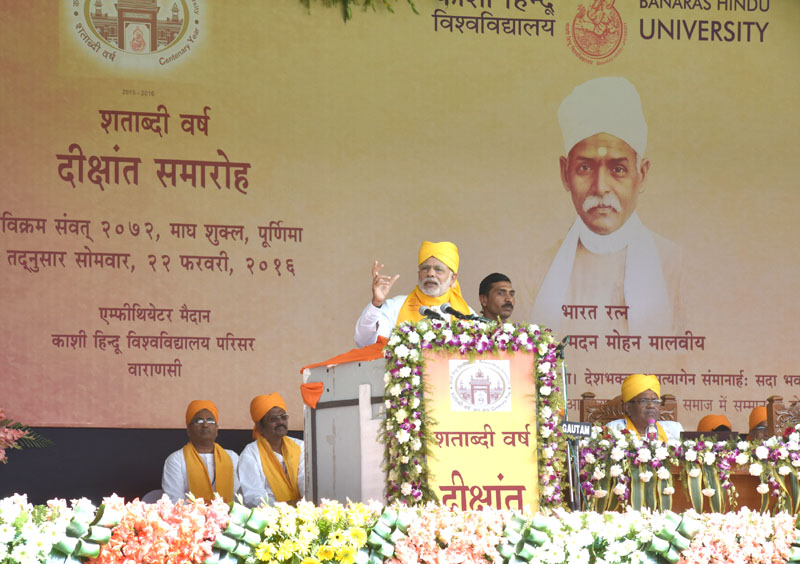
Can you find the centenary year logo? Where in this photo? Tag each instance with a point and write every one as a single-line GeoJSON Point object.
{"type": "Point", "coordinates": [597, 33]}
{"type": "Point", "coordinates": [137, 32]}
{"type": "Point", "coordinates": [480, 385]}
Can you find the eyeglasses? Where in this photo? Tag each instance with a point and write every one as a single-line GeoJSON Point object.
{"type": "Point", "coordinates": [643, 402]}
{"type": "Point", "coordinates": [275, 418]}
{"type": "Point", "coordinates": [425, 268]}
{"type": "Point", "coordinates": [205, 421]}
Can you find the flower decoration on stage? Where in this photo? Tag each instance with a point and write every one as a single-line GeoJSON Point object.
{"type": "Point", "coordinates": [406, 432]}
{"type": "Point", "coordinates": [14, 435]}
{"type": "Point", "coordinates": [309, 534]}
{"type": "Point", "coordinates": [706, 471]}
{"type": "Point", "coordinates": [28, 532]}
{"type": "Point", "coordinates": [776, 462]}
{"type": "Point", "coordinates": [180, 533]}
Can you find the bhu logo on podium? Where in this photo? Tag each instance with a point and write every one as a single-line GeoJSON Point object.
{"type": "Point", "coordinates": [482, 385]}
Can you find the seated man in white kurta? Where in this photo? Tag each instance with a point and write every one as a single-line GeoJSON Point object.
{"type": "Point", "coordinates": [437, 284]}
{"type": "Point", "coordinates": [202, 467]}
{"type": "Point", "coordinates": [272, 468]}
{"type": "Point", "coordinates": [641, 397]}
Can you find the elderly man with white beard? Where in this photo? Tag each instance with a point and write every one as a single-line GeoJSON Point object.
{"type": "Point", "coordinates": [437, 283]}
{"type": "Point", "coordinates": [608, 258]}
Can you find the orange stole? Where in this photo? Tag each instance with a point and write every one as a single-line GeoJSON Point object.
{"type": "Point", "coordinates": [197, 473]}
{"type": "Point", "coordinates": [283, 487]}
{"type": "Point", "coordinates": [409, 311]}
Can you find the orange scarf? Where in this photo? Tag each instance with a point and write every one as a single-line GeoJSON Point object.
{"type": "Point", "coordinates": [662, 434]}
{"type": "Point", "coordinates": [283, 486]}
{"type": "Point", "coordinates": [409, 311]}
{"type": "Point", "coordinates": [197, 473]}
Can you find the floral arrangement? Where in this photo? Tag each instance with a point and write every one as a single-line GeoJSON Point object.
{"type": "Point", "coordinates": [192, 532]}
{"type": "Point", "coordinates": [617, 468]}
{"type": "Point", "coordinates": [163, 532]}
{"type": "Point", "coordinates": [14, 435]}
{"type": "Point", "coordinates": [406, 431]}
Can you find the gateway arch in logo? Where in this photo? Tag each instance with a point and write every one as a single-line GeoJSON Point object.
{"type": "Point", "coordinates": [482, 385]}
{"type": "Point", "coordinates": [597, 33]}
{"type": "Point", "coordinates": [137, 26]}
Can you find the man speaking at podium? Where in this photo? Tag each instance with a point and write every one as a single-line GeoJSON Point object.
{"type": "Point", "coordinates": [437, 284]}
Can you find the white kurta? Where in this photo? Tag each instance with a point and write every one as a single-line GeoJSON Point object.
{"type": "Point", "coordinates": [378, 321]}
{"type": "Point", "coordinates": [255, 488]}
{"type": "Point", "coordinates": [175, 481]}
{"type": "Point", "coordinates": [673, 429]}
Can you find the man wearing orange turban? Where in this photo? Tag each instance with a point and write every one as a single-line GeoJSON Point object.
{"type": "Point", "coordinates": [641, 397]}
{"type": "Point", "coordinates": [758, 424]}
{"type": "Point", "coordinates": [713, 423]}
{"type": "Point", "coordinates": [272, 468]}
{"type": "Point", "coordinates": [201, 467]}
{"type": "Point", "coordinates": [437, 283]}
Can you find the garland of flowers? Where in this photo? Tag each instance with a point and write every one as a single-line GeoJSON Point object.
{"type": "Point", "coordinates": [617, 467]}
{"type": "Point", "coordinates": [406, 432]}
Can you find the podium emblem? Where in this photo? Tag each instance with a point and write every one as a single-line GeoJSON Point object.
{"type": "Point", "coordinates": [482, 385]}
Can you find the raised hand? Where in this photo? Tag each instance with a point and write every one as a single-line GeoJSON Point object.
{"type": "Point", "coordinates": [381, 284]}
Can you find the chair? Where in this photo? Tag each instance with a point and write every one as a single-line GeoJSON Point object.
{"type": "Point", "coordinates": [152, 496]}
{"type": "Point", "coordinates": [600, 411]}
{"type": "Point", "coordinates": [780, 416]}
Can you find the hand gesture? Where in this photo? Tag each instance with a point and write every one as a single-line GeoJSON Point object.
{"type": "Point", "coordinates": [381, 284]}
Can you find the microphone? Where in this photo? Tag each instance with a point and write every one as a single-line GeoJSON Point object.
{"type": "Point", "coordinates": [429, 313]}
{"type": "Point", "coordinates": [450, 310]}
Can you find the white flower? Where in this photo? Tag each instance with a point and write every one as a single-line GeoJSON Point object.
{"type": "Point", "coordinates": [694, 472]}
{"type": "Point", "coordinates": [762, 488]}
{"type": "Point", "coordinates": [403, 436]}
{"type": "Point", "coordinates": [395, 390]}
{"type": "Point", "coordinates": [464, 338]}
{"type": "Point", "coordinates": [762, 452]}
{"type": "Point", "coordinates": [590, 458]}
{"type": "Point", "coordinates": [405, 489]}
{"type": "Point", "coordinates": [415, 402]}
{"type": "Point", "coordinates": [615, 471]}
{"type": "Point", "coordinates": [544, 367]}
{"type": "Point", "coordinates": [690, 455]}
{"type": "Point", "coordinates": [547, 452]}
{"type": "Point", "coordinates": [416, 445]}
{"type": "Point", "coordinates": [783, 454]}
{"type": "Point", "coordinates": [598, 475]}
{"type": "Point", "coordinates": [413, 337]}
{"type": "Point", "coordinates": [422, 326]}
{"type": "Point", "coordinates": [755, 469]}
{"type": "Point", "coordinates": [617, 454]}
{"type": "Point", "coordinates": [662, 453]}
{"type": "Point", "coordinates": [400, 415]}
{"type": "Point", "coordinates": [429, 336]}
{"type": "Point", "coordinates": [546, 412]}
{"type": "Point", "coordinates": [545, 432]}
{"type": "Point", "coordinates": [404, 460]}
{"type": "Point", "coordinates": [545, 390]}
{"type": "Point", "coordinates": [533, 328]}
{"type": "Point", "coordinates": [387, 404]}
{"type": "Point", "coordinates": [401, 351]}
{"type": "Point", "coordinates": [405, 372]}
{"type": "Point", "coordinates": [644, 455]}
{"type": "Point", "coordinates": [508, 327]}
{"type": "Point", "coordinates": [387, 377]}
{"type": "Point", "coordinates": [743, 445]}
{"type": "Point", "coordinates": [393, 340]}
{"type": "Point", "coordinates": [7, 533]}
{"type": "Point", "coordinates": [619, 489]}
{"type": "Point", "coordinates": [415, 380]}
{"type": "Point", "coordinates": [709, 458]}
{"type": "Point", "coordinates": [669, 490]}
{"type": "Point", "coordinates": [646, 476]}
{"type": "Point", "coordinates": [543, 349]}
{"type": "Point", "coordinates": [784, 470]}
{"type": "Point", "coordinates": [600, 493]}
{"type": "Point", "coordinates": [447, 334]}
{"type": "Point", "coordinates": [741, 459]}
{"type": "Point", "coordinates": [663, 473]}
{"type": "Point", "coordinates": [709, 492]}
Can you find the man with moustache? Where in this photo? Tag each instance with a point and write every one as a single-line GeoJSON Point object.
{"type": "Point", "coordinates": [437, 283]}
{"type": "Point", "coordinates": [272, 468]}
{"type": "Point", "coordinates": [202, 467]}
{"type": "Point", "coordinates": [641, 397]}
{"type": "Point", "coordinates": [497, 297]}
{"type": "Point", "coordinates": [609, 258]}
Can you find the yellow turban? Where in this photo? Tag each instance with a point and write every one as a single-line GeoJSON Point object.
{"type": "Point", "coordinates": [635, 384]}
{"type": "Point", "coordinates": [711, 422]}
{"type": "Point", "coordinates": [198, 405]}
{"type": "Point", "coordinates": [757, 416]}
{"type": "Point", "coordinates": [261, 405]}
{"type": "Point", "coordinates": [445, 251]}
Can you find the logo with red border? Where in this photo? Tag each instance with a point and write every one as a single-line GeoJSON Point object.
{"type": "Point", "coordinates": [597, 33]}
